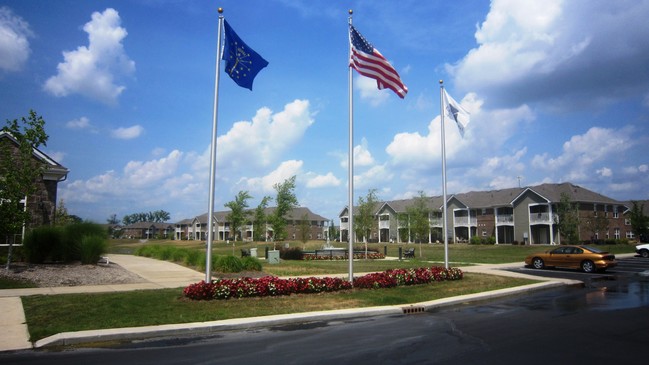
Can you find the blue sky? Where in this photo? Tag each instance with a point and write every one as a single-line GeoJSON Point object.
{"type": "Point", "coordinates": [558, 91]}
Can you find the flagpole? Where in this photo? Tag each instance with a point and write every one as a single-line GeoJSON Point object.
{"type": "Point", "coordinates": [350, 167]}
{"type": "Point", "coordinates": [444, 216]}
{"type": "Point", "coordinates": [210, 209]}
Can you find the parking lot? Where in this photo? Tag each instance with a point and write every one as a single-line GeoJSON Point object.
{"type": "Point", "coordinates": [628, 266]}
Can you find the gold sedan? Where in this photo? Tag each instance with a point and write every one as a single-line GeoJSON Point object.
{"type": "Point", "coordinates": [587, 258]}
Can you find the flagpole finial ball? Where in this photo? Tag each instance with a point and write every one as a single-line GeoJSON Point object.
{"type": "Point", "coordinates": [351, 12]}
{"type": "Point", "coordinates": [220, 10]}
{"type": "Point", "coordinates": [441, 82]}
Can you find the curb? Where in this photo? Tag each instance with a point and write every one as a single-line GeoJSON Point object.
{"type": "Point", "coordinates": [206, 328]}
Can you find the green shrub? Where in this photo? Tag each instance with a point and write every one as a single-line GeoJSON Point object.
{"type": "Point", "coordinates": [42, 243]}
{"type": "Point", "coordinates": [166, 253]}
{"type": "Point", "coordinates": [147, 251]}
{"type": "Point", "coordinates": [228, 263]}
{"type": "Point", "coordinates": [91, 249]}
{"type": "Point", "coordinates": [291, 253]}
{"type": "Point", "coordinates": [475, 240]}
{"type": "Point", "coordinates": [251, 263]}
{"type": "Point", "coordinates": [195, 258]}
{"type": "Point", "coordinates": [72, 236]}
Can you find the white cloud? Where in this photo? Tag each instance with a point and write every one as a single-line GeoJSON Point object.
{"type": "Point", "coordinates": [14, 43]}
{"type": "Point", "coordinates": [375, 177]}
{"type": "Point", "coordinates": [416, 151]}
{"type": "Point", "coordinates": [260, 142]}
{"type": "Point", "coordinates": [141, 185]}
{"type": "Point", "coordinates": [80, 123]}
{"type": "Point", "coordinates": [500, 171]}
{"type": "Point", "coordinates": [128, 132]}
{"type": "Point", "coordinates": [370, 92]}
{"type": "Point", "coordinates": [362, 156]}
{"type": "Point", "coordinates": [579, 155]}
{"type": "Point", "coordinates": [149, 173]}
{"type": "Point", "coordinates": [578, 48]}
{"type": "Point", "coordinates": [604, 172]}
{"type": "Point", "coordinates": [93, 71]}
{"type": "Point", "coordinates": [320, 181]}
{"type": "Point", "coordinates": [57, 156]}
{"type": "Point", "coordinates": [265, 184]}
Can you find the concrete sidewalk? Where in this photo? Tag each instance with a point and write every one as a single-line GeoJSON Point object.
{"type": "Point", "coordinates": [14, 334]}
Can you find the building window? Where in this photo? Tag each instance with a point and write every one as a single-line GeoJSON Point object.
{"type": "Point", "coordinates": [617, 233]}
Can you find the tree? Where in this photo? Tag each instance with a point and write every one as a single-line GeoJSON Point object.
{"type": "Point", "coordinates": [332, 231]}
{"type": "Point", "coordinates": [596, 224]}
{"type": "Point", "coordinates": [419, 219]}
{"type": "Point", "coordinates": [238, 214]}
{"type": "Point", "coordinates": [305, 228]}
{"type": "Point", "coordinates": [61, 216]}
{"type": "Point", "coordinates": [286, 202]}
{"type": "Point", "coordinates": [158, 216]}
{"type": "Point", "coordinates": [366, 217]}
{"type": "Point", "coordinates": [113, 220]}
{"type": "Point", "coordinates": [18, 172]}
{"type": "Point", "coordinates": [403, 221]}
{"type": "Point", "coordinates": [568, 219]}
{"type": "Point", "coordinates": [639, 221]}
{"type": "Point", "coordinates": [259, 220]}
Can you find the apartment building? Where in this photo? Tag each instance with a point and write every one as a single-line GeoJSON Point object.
{"type": "Point", "coordinates": [525, 215]}
{"type": "Point", "coordinates": [42, 203]}
{"type": "Point", "coordinates": [197, 228]}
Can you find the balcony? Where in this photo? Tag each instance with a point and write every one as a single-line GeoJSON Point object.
{"type": "Point", "coordinates": [465, 221]}
{"type": "Point", "coordinates": [384, 224]}
{"type": "Point", "coordinates": [541, 218]}
{"type": "Point", "coordinates": [505, 219]}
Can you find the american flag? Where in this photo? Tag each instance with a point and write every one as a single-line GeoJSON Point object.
{"type": "Point", "coordinates": [368, 61]}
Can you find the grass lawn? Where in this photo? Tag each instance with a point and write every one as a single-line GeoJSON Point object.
{"type": "Point", "coordinates": [48, 315]}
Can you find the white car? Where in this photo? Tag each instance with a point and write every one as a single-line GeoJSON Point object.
{"type": "Point", "coordinates": [643, 250]}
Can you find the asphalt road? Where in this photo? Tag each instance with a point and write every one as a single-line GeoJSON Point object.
{"type": "Point", "coordinates": [606, 321]}
{"type": "Point", "coordinates": [627, 267]}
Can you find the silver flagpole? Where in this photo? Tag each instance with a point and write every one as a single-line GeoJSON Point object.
{"type": "Point", "coordinates": [445, 224]}
{"type": "Point", "coordinates": [350, 167]}
{"type": "Point", "coordinates": [210, 209]}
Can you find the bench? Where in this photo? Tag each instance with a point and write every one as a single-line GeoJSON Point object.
{"type": "Point", "coordinates": [409, 253]}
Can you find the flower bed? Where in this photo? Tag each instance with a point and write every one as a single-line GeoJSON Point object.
{"type": "Point", "coordinates": [273, 286]}
{"type": "Point", "coordinates": [357, 256]}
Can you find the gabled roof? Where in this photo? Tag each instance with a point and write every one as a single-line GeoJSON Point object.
{"type": "Point", "coordinates": [53, 169]}
{"type": "Point", "coordinates": [296, 214]}
{"type": "Point", "coordinates": [490, 198]}
{"type": "Point", "coordinates": [506, 198]}
{"type": "Point", "coordinates": [576, 193]}
{"type": "Point", "coordinates": [147, 225]}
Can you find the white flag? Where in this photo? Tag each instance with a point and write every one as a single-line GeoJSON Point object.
{"type": "Point", "coordinates": [455, 111]}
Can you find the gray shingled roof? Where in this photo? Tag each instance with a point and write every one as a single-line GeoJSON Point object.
{"type": "Point", "coordinates": [506, 197]}
{"type": "Point", "coordinates": [295, 214]}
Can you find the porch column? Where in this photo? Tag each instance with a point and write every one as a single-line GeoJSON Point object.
{"type": "Point", "coordinates": [496, 223]}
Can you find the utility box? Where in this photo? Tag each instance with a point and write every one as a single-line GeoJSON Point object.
{"type": "Point", "coordinates": [273, 257]}
{"type": "Point", "coordinates": [253, 252]}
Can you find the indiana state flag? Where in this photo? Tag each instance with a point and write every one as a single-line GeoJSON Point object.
{"type": "Point", "coordinates": [242, 63]}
